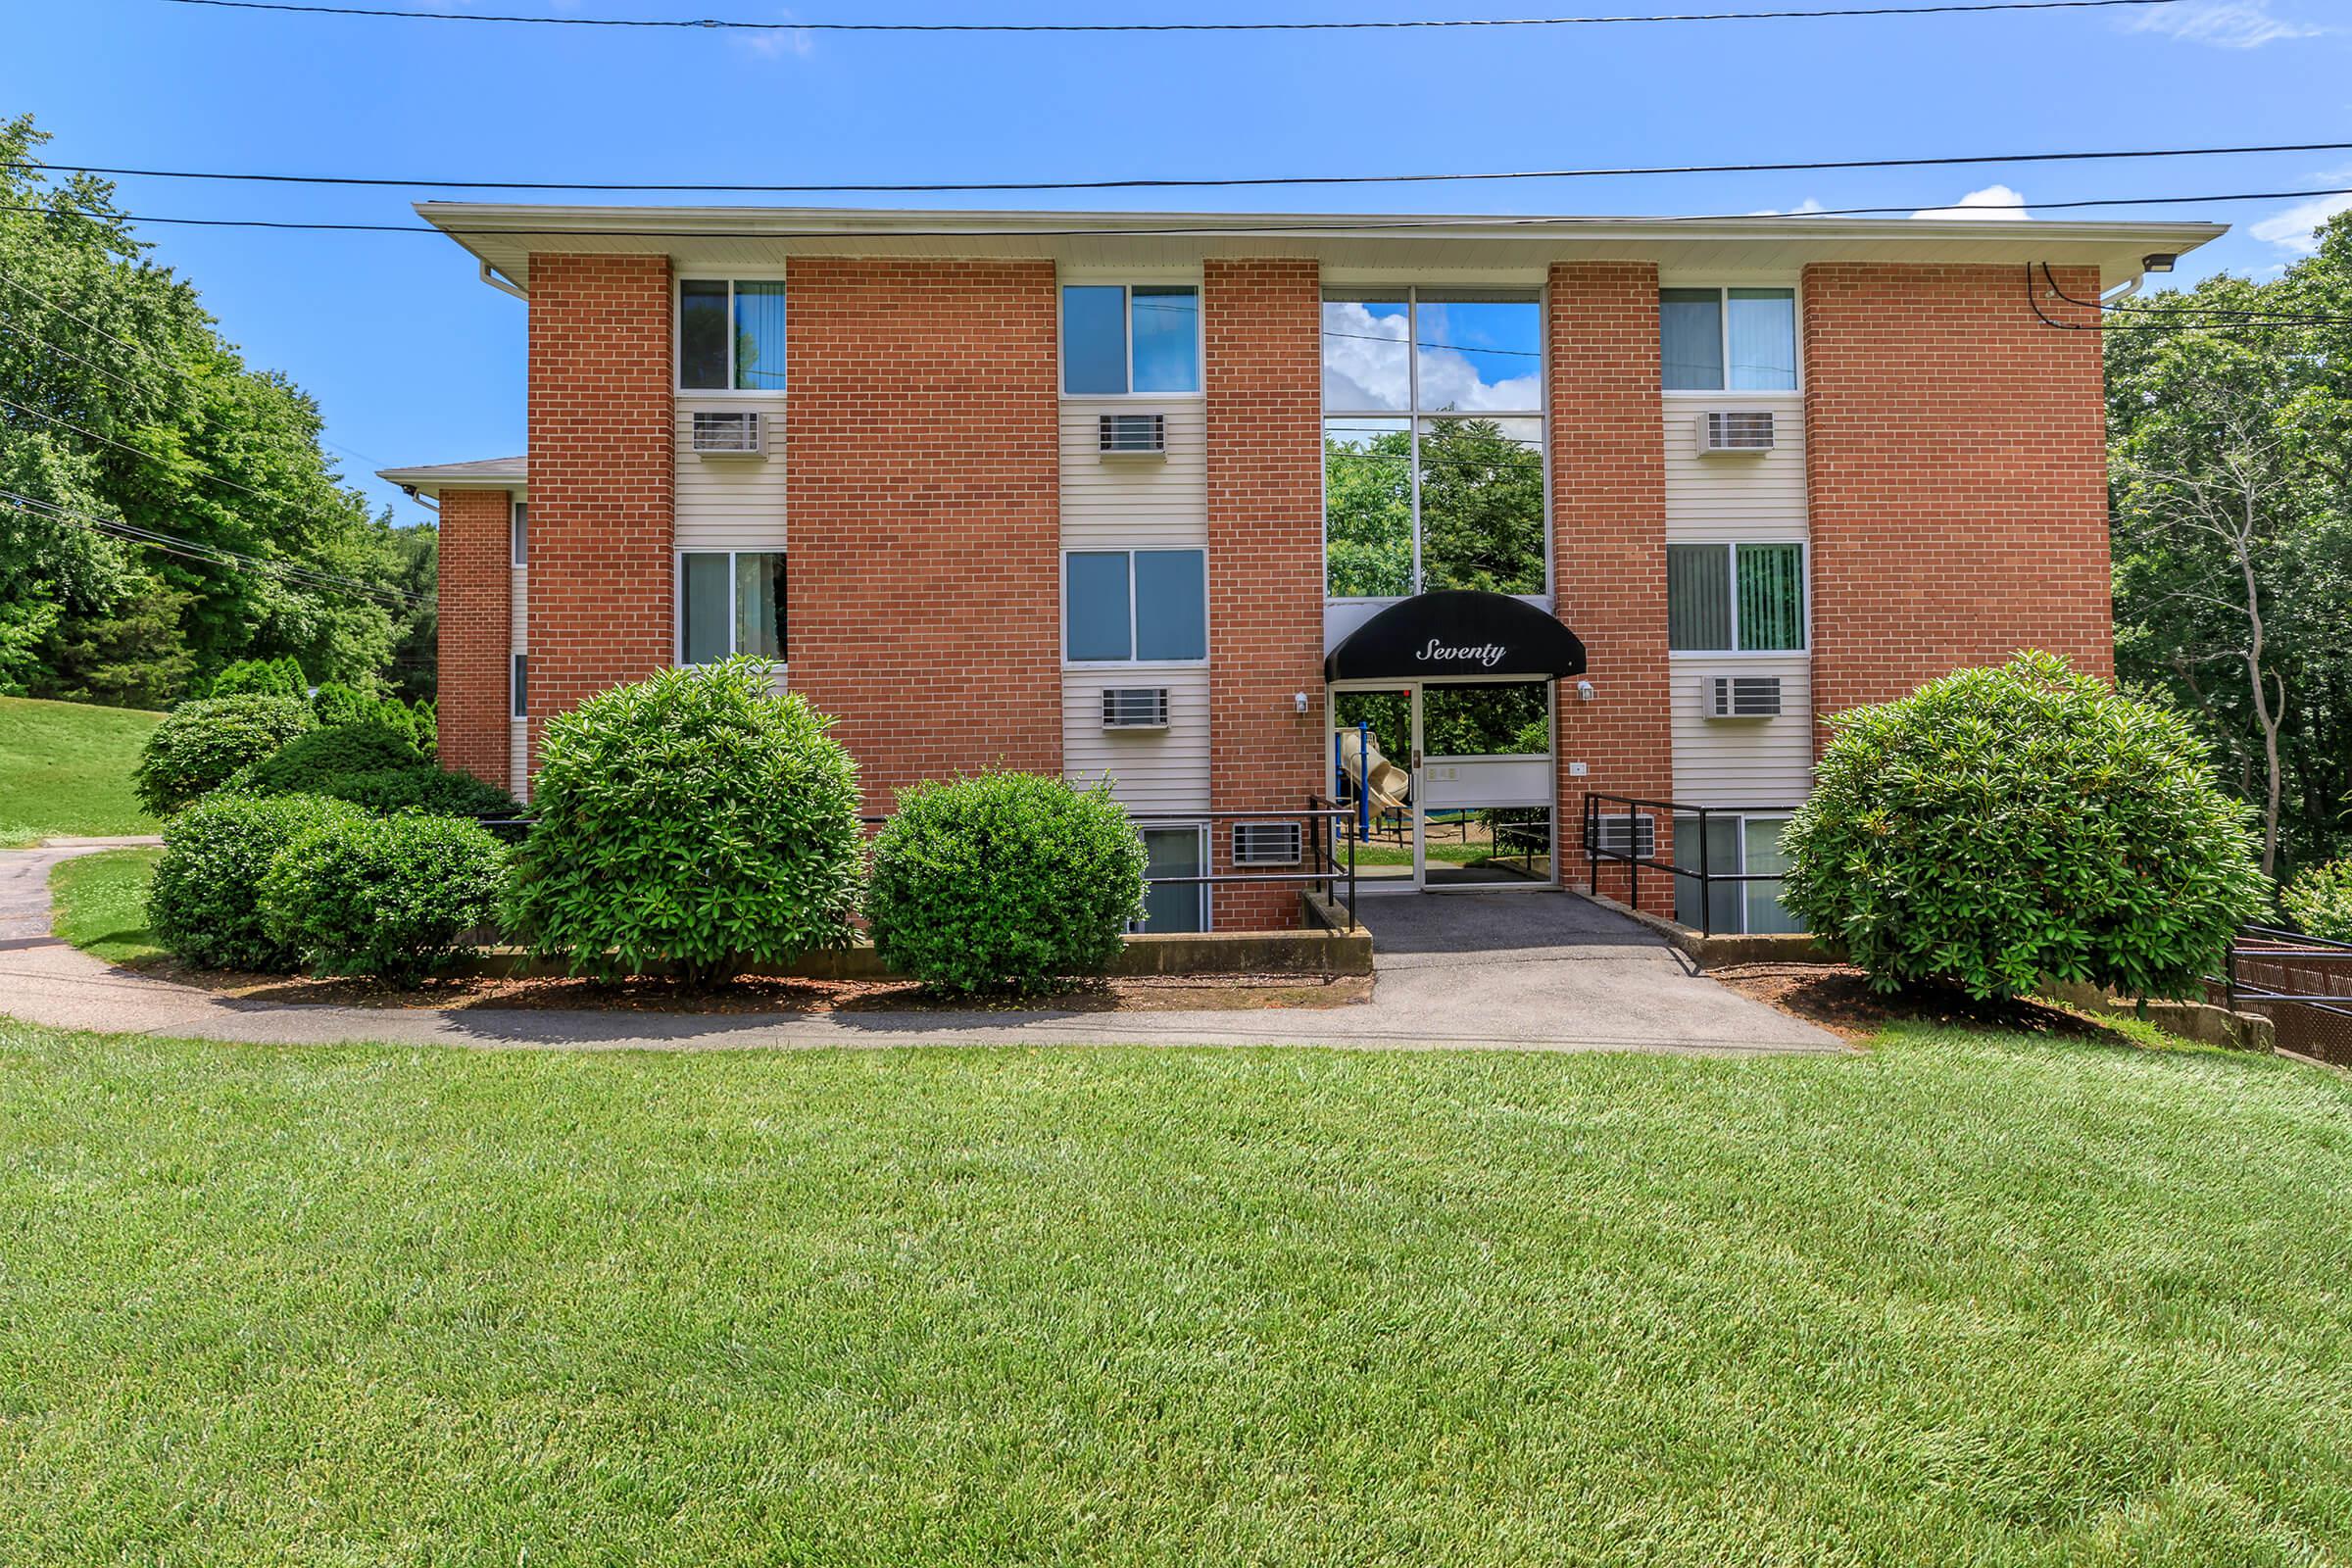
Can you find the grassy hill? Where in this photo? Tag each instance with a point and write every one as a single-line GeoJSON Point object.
{"type": "Point", "coordinates": [64, 768]}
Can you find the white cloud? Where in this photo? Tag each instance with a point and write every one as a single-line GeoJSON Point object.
{"type": "Point", "coordinates": [1808, 205]}
{"type": "Point", "coordinates": [2293, 228]}
{"type": "Point", "coordinates": [1992, 202]}
{"type": "Point", "coordinates": [1365, 366]}
{"type": "Point", "coordinates": [776, 44]}
{"type": "Point", "coordinates": [2220, 23]}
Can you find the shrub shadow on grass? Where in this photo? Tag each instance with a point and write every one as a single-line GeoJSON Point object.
{"type": "Point", "coordinates": [1838, 998]}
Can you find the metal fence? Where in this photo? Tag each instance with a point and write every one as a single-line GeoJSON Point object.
{"type": "Point", "coordinates": [2302, 984]}
{"type": "Point", "coordinates": [1602, 811]}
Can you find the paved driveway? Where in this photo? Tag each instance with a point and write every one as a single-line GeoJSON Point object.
{"type": "Point", "coordinates": [1542, 971]}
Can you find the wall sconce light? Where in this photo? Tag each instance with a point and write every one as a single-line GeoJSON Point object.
{"type": "Point", "coordinates": [1584, 690]}
{"type": "Point", "coordinates": [2160, 261]}
{"type": "Point", "coordinates": [1301, 699]}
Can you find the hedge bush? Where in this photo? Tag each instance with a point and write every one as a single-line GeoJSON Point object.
{"type": "Point", "coordinates": [695, 821]}
{"type": "Point", "coordinates": [204, 902]}
{"type": "Point", "coordinates": [2319, 900]}
{"type": "Point", "coordinates": [336, 706]}
{"type": "Point", "coordinates": [200, 744]}
{"type": "Point", "coordinates": [426, 787]}
{"type": "Point", "coordinates": [1997, 826]}
{"type": "Point", "coordinates": [395, 898]}
{"type": "Point", "coordinates": [375, 765]}
{"type": "Point", "coordinates": [1003, 883]}
{"type": "Point", "coordinates": [261, 677]}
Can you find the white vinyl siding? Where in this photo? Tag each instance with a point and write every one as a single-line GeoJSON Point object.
{"type": "Point", "coordinates": [1152, 771]}
{"type": "Point", "coordinates": [518, 641]}
{"type": "Point", "coordinates": [730, 503]}
{"type": "Point", "coordinates": [1133, 503]}
{"type": "Point", "coordinates": [1749, 500]}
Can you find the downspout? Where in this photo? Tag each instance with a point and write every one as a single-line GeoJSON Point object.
{"type": "Point", "coordinates": [2125, 292]}
{"type": "Point", "coordinates": [490, 275]}
{"type": "Point", "coordinates": [410, 491]}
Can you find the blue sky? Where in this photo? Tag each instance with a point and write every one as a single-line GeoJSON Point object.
{"type": "Point", "coordinates": [414, 361]}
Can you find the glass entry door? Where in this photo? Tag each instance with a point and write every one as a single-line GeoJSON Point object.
{"type": "Point", "coordinates": [1375, 770]}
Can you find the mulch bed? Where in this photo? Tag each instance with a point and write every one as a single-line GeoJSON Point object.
{"type": "Point", "coordinates": [1837, 996]}
{"type": "Point", "coordinates": [1138, 994]}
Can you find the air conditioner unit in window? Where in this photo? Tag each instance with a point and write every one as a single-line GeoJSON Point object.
{"type": "Point", "coordinates": [1614, 831]}
{"type": "Point", "coordinates": [1265, 844]}
{"type": "Point", "coordinates": [1740, 696]}
{"type": "Point", "coordinates": [1723, 434]}
{"type": "Point", "coordinates": [729, 433]}
{"type": "Point", "coordinates": [1132, 435]}
{"type": "Point", "coordinates": [1135, 708]}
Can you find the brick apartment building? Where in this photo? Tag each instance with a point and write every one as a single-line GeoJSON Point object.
{"type": "Point", "coordinates": [1226, 508]}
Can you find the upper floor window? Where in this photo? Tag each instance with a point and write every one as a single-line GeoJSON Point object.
{"type": "Point", "coordinates": [1117, 338]}
{"type": "Point", "coordinates": [730, 602]}
{"type": "Point", "coordinates": [1728, 339]}
{"type": "Point", "coordinates": [520, 529]}
{"type": "Point", "coordinates": [731, 336]}
{"type": "Point", "coordinates": [1135, 606]}
{"type": "Point", "coordinates": [1748, 599]}
{"type": "Point", "coordinates": [1433, 442]}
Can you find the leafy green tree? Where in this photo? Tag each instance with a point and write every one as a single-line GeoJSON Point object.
{"type": "Point", "coordinates": [1481, 510]}
{"type": "Point", "coordinates": [125, 406]}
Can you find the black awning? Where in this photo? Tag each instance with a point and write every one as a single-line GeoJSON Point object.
{"type": "Point", "coordinates": [1458, 632]}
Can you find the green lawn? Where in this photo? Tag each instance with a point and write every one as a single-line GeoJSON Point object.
{"type": "Point", "coordinates": [64, 768]}
{"type": "Point", "coordinates": [99, 904]}
{"type": "Point", "coordinates": [1967, 1300]}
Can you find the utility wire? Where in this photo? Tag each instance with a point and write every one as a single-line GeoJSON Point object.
{"type": "Point", "coordinates": [1205, 183]}
{"type": "Point", "coordinates": [8, 323]}
{"type": "Point", "coordinates": [2288, 317]}
{"type": "Point", "coordinates": [1347, 25]}
{"type": "Point", "coordinates": [197, 550]}
{"type": "Point", "coordinates": [1310, 224]}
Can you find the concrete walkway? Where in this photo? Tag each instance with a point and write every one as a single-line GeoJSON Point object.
{"type": "Point", "coordinates": [1528, 971]}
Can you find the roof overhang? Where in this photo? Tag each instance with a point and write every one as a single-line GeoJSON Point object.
{"type": "Point", "coordinates": [488, 473]}
{"type": "Point", "coordinates": [1455, 633]}
{"type": "Point", "coordinates": [506, 236]}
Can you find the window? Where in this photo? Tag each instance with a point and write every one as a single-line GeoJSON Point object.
{"type": "Point", "coordinates": [1119, 338]}
{"type": "Point", "coordinates": [1748, 599]}
{"type": "Point", "coordinates": [1733, 843]}
{"type": "Point", "coordinates": [1174, 907]}
{"type": "Point", "coordinates": [520, 527]}
{"type": "Point", "coordinates": [1433, 442]}
{"type": "Point", "coordinates": [1752, 330]}
{"type": "Point", "coordinates": [518, 687]}
{"type": "Point", "coordinates": [1135, 606]}
{"type": "Point", "coordinates": [731, 336]}
{"type": "Point", "coordinates": [730, 602]}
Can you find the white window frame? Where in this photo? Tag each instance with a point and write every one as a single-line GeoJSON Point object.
{"type": "Point", "coordinates": [1205, 890]}
{"type": "Point", "coordinates": [1804, 594]}
{"type": "Point", "coordinates": [1127, 287]}
{"type": "Point", "coordinates": [677, 618]}
{"type": "Point", "coordinates": [1413, 415]}
{"type": "Point", "coordinates": [518, 686]}
{"type": "Point", "coordinates": [677, 333]}
{"type": "Point", "coordinates": [1132, 662]}
{"type": "Point", "coordinates": [518, 534]}
{"type": "Point", "coordinates": [1723, 334]}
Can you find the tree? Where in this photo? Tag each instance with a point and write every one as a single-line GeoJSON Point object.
{"type": "Point", "coordinates": [125, 408]}
{"type": "Point", "coordinates": [2233, 523]}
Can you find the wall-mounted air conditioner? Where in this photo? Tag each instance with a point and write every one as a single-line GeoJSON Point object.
{"type": "Point", "coordinates": [1615, 830]}
{"type": "Point", "coordinates": [1265, 844]}
{"type": "Point", "coordinates": [1740, 696]}
{"type": "Point", "coordinates": [1732, 434]}
{"type": "Point", "coordinates": [729, 433]}
{"type": "Point", "coordinates": [1135, 708]}
{"type": "Point", "coordinates": [1132, 435]}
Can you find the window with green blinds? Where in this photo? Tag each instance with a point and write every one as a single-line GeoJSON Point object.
{"type": "Point", "coordinates": [1748, 599]}
{"type": "Point", "coordinates": [1772, 598]}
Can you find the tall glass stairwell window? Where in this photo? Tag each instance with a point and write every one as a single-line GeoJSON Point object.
{"type": "Point", "coordinates": [1433, 442]}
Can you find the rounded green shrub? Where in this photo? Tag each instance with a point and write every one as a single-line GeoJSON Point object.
{"type": "Point", "coordinates": [335, 704]}
{"type": "Point", "coordinates": [261, 677]}
{"type": "Point", "coordinates": [322, 754]}
{"type": "Point", "coordinates": [204, 903]}
{"type": "Point", "coordinates": [395, 897]}
{"type": "Point", "coordinates": [441, 792]}
{"type": "Point", "coordinates": [200, 744]}
{"type": "Point", "coordinates": [2319, 900]}
{"type": "Point", "coordinates": [695, 822]}
{"type": "Point", "coordinates": [1003, 883]}
{"type": "Point", "coordinates": [1997, 826]}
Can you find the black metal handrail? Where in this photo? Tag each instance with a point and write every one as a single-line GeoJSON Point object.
{"type": "Point", "coordinates": [1705, 875]}
{"type": "Point", "coordinates": [2307, 948]}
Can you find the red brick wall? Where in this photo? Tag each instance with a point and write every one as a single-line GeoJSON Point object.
{"type": "Point", "coordinates": [1957, 476]}
{"type": "Point", "coordinates": [476, 634]}
{"type": "Point", "coordinates": [924, 469]}
{"type": "Point", "coordinates": [1262, 374]}
{"type": "Point", "coordinates": [602, 469]}
{"type": "Point", "coordinates": [1609, 514]}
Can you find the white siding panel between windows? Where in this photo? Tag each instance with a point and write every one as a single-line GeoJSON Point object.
{"type": "Point", "coordinates": [518, 641]}
{"type": "Point", "coordinates": [1759, 497]}
{"type": "Point", "coordinates": [730, 503]}
{"type": "Point", "coordinates": [1742, 761]}
{"type": "Point", "coordinates": [1128, 502]}
{"type": "Point", "coordinates": [1155, 772]}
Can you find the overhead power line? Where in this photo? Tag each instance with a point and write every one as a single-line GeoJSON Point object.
{"type": "Point", "coordinates": [292, 572]}
{"type": "Point", "coordinates": [1202, 182]}
{"type": "Point", "coordinates": [1352, 25]}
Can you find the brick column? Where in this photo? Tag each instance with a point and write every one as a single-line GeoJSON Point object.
{"type": "Point", "coordinates": [923, 451]}
{"type": "Point", "coordinates": [601, 475]}
{"type": "Point", "coordinates": [1608, 510]}
{"type": "Point", "coordinates": [1262, 375]}
{"type": "Point", "coordinates": [1956, 475]}
{"type": "Point", "coordinates": [475, 631]}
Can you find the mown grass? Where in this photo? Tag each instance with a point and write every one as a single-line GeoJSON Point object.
{"type": "Point", "coordinates": [65, 769]}
{"type": "Point", "coordinates": [1968, 1299]}
{"type": "Point", "coordinates": [98, 903]}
